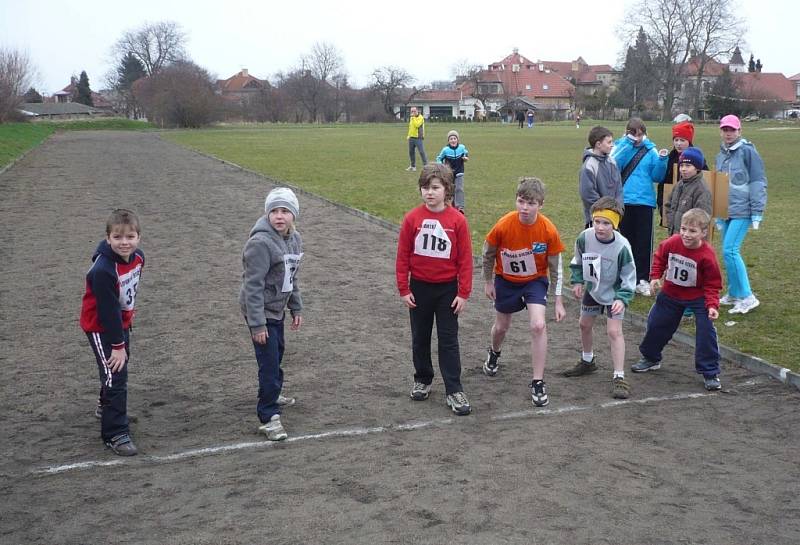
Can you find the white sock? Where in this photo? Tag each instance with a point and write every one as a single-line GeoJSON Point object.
{"type": "Point", "coordinates": [619, 374]}
{"type": "Point", "coordinates": [587, 356]}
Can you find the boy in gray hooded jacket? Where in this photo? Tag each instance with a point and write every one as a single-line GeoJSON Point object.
{"type": "Point", "coordinates": [270, 261]}
{"type": "Point", "coordinates": [599, 175]}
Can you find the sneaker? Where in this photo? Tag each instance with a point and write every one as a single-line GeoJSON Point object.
{"type": "Point", "coordinates": [458, 403]}
{"type": "Point", "coordinates": [284, 401]}
{"type": "Point", "coordinates": [539, 393]}
{"type": "Point", "coordinates": [743, 306]}
{"type": "Point", "coordinates": [581, 368]}
{"type": "Point", "coordinates": [644, 365]}
{"type": "Point", "coordinates": [122, 445]}
{"type": "Point", "coordinates": [274, 429]}
{"type": "Point", "coordinates": [98, 411]}
{"type": "Point", "coordinates": [490, 365]}
{"type": "Point", "coordinates": [712, 383]}
{"type": "Point", "coordinates": [420, 392]}
{"type": "Point", "coordinates": [727, 300]}
{"type": "Point", "coordinates": [620, 389]}
{"type": "Point", "coordinates": [411, 169]}
{"type": "Point", "coordinates": [643, 288]}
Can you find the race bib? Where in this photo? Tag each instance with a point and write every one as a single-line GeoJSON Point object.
{"type": "Point", "coordinates": [591, 268]}
{"type": "Point", "coordinates": [128, 285]}
{"type": "Point", "coordinates": [290, 264]}
{"type": "Point", "coordinates": [432, 240]}
{"type": "Point", "coordinates": [682, 271]}
{"type": "Point", "coordinates": [518, 262]}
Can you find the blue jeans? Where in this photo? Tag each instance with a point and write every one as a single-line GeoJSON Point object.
{"type": "Point", "coordinates": [418, 144]}
{"type": "Point", "coordinates": [733, 234]}
{"type": "Point", "coordinates": [662, 322]}
{"type": "Point", "coordinates": [270, 374]}
{"type": "Point", "coordinates": [113, 386]}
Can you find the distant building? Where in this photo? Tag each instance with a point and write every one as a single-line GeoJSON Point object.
{"type": "Point", "coordinates": [58, 110]}
{"type": "Point", "coordinates": [241, 86]}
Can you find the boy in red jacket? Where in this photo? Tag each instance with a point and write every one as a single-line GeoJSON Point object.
{"type": "Point", "coordinates": [434, 278]}
{"type": "Point", "coordinates": [691, 280]}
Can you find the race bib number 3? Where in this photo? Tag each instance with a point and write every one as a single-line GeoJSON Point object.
{"type": "Point", "coordinates": [432, 240]}
{"type": "Point", "coordinates": [682, 271]}
{"type": "Point", "coordinates": [290, 264]}
{"type": "Point", "coordinates": [518, 262]}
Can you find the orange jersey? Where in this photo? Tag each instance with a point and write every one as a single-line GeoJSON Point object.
{"type": "Point", "coordinates": [522, 250]}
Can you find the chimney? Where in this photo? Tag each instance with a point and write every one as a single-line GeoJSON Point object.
{"type": "Point", "coordinates": [244, 72]}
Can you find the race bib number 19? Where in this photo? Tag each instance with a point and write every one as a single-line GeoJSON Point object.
{"type": "Point", "coordinates": [518, 262]}
{"type": "Point", "coordinates": [432, 240]}
{"type": "Point", "coordinates": [682, 271]}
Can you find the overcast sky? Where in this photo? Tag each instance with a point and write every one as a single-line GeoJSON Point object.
{"type": "Point", "coordinates": [63, 37]}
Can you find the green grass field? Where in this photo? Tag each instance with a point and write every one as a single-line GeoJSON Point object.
{"type": "Point", "coordinates": [363, 166]}
{"type": "Point", "coordinates": [17, 138]}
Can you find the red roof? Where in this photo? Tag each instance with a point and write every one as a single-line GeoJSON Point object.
{"type": "Point", "coordinates": [241, 81]}
{"type": "Point", "coordinates": [521, 76]}
{"type": "Point", "coordinates": [766, 85]}
{"type": "Point", "coordinates": [796, 77]}
{"type": "Point", "coordinates": [712, 67]}
{"type": "Point", "coordinates": [437, 96]}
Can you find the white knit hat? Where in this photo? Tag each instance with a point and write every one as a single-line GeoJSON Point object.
{"type": "Point", "coordinates": [282, 197]}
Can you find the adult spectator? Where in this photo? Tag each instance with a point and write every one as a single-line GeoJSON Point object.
{"type": "Point", "coordinates": [640, 166]}
{"type": "Point", "coordinates": [416, 133]}
{"type": "Point", "coordinates": [520, 118]}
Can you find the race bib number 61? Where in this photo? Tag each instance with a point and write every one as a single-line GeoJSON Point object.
{"type": "Point", "coordinates": [518, 262]}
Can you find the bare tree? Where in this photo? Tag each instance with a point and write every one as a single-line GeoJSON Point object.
{"type": "Point", "coordinates": [179, 95]}
{"type": "Point", "coordinates": [386, 81]}
{"type": "Point", "coordinates": [312, 83]}
{"type": "Point", "coordinates": [716, 31]}
{"type": "Point", "coordinates": [16, 76]}
{"type": "Point", "coordinates": [155, 45]}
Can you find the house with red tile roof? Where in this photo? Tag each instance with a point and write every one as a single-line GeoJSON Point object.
{"type": "Point", "coordinates": [68, 94]}
{"type": "Point", "coordinates": [241, 86]}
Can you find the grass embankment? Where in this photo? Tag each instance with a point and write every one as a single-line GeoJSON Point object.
{"type": "Point", "coordinates": [362, 166]}
{"type": "Point", "coordinates": [17, 138]}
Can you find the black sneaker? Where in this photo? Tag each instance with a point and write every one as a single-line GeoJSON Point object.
{"type": "Point", "coordinates": [581, 368]}
{"type": "Point", "coordinates": [490, 365]}
{"type": "Point", "coordinates": [420, 392]}
{"type": "Point", "coordinates": [458, 403]}
{"type": "Point", "coordinates": [539, 393]}
{"type": "Point", "coordinates": [122, 445]}
{"type": "Point", "coordinates": [644, 365]}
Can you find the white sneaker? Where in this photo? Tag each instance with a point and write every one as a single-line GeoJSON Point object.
{"type": "Point", "coordinates": [727, 300]}
{"type": "Point", "coordinates": [643, 288]}
{"type": "Point", "coordinates": [274, 429]}
{"type": "Point", "coordinates": [743, 306]}
{"type": "Point", "coordinates": [284, 401]}
{"type": "Point", "coordinates": [411, 169]}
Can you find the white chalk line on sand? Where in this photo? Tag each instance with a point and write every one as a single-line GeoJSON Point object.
{"type": "Point", "coordinates": [351, 432]}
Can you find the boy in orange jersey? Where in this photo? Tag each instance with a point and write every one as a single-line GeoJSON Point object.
{"type": "Point", "coordinates": [519, 253]}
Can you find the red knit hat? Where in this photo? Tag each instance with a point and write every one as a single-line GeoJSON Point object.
{"type": "Point", "coordinates": [683, 130]}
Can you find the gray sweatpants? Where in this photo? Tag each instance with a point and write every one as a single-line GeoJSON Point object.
{"type": "Point", "coordinates": [418, 144]}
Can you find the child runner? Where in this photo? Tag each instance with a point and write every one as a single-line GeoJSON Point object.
{"type": "Point", "coordinates": [106, 316]}
{"type": "Point", "coordinates": [519, 252]}
{"type": "Point", "coordinates": [454, 155]}
{"type": "Point", "coordinates": [434, 278]}
{"type": "Point", "coordinates": [691, 191]}
{"type": "Point", "coordinates": [599, 175]}
{"type": "Point", "coordinates": [691, 279]}
{"type": "Point", "coordinates": [270, 260]}
{"type": "Point", "coordinates": [603, 262]}
{"type": "Point", "coordinates": [747, 198]}
{"type": "Point", "coordinates": [682, 138]}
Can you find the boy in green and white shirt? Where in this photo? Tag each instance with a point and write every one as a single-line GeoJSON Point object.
{"type": "Point", "coordinates": [603, 263]}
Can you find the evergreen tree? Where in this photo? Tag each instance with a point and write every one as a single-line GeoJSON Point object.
{"type": "Point", "coordinates": [83, 93]}
{"type": "Point", "coordinates": [751, 66]}
{"type": "Point", "coordinates": [33, 96]}
{"type": "Point", "coordinates": [129, 70]}
{"type": "Point", "coordinates": [724, 99]}
{"type": "Point", "coordinates": [638, 84]}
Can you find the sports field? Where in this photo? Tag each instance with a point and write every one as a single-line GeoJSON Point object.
{"type": "Point", "coordinates": [362, 166]}
{"type": "Point", "coordinates": [364, 463]}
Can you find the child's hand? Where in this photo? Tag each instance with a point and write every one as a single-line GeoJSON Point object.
{"type": "Point", "coordinates": [577, 290]}
{"type": "Point", "coordinates": [561, 312]}
{"type": "Point", "coordinates": [617, 306]}
{"type": "Point", "coordinates": [409, 300]}
{"type": "Point", "coordinates": [488, 289]}
{"type": "Point", "coordinates": [655, 286]}
{"type": "Point", "coordinates": [458, 304]}
{"type": "Point", "coordinates": [117, 360]}
{"type": "Point", "coordinates": [260, 337]}
{"type": "Point", "coordinates": [297, 321]}
{"type": "Point", "coordinates": [713, 313]}
{"type": "Point", "coordinates": [663, 152]}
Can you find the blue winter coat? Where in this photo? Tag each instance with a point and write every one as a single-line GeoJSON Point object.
{"type": "Point", "coordinates": [747, 186]}
{"type": "Point", "coordinates": [638, 189]}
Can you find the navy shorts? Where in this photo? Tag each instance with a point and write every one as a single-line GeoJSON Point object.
{"type": "Point", "coordinates": [511, 297]}
{"type": "Point", "coordinates": [590, 307]}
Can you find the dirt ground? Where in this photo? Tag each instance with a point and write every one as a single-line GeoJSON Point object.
{"type": "Point", "coordinates": [673, 465]}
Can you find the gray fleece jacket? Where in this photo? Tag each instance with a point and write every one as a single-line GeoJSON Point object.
{"type": "Point", "coordinates": [269, 277]}
{"type": "Point", "coordinates": [599, 177]}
